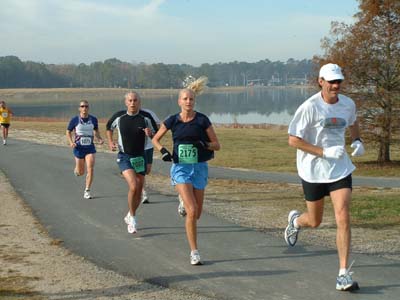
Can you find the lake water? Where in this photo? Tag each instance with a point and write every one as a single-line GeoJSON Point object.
{"type": "Point", "coordinates": [270, 105]}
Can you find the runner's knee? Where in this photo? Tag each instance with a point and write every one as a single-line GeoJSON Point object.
{"type": "Point", "coordinates": [314, 222]}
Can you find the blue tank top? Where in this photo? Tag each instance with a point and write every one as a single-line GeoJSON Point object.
{"type": "Point", "coordinates": [185, 133]}
{"type": "Point", "coordinates": [83, 128]}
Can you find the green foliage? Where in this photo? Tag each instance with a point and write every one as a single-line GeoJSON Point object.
{"type": "Point", "coordinates": [17, 74]}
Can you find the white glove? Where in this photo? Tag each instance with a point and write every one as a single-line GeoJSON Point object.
{"type": "Point", "coordinates": [358, 147]}
{"type": "Point", "coordinates": [334, 152]}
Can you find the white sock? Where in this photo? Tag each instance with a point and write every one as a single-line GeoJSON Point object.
{"type": "Point", "coordinates": [342, 271]}
{"type": "Point", "coordinates": [295, 223]}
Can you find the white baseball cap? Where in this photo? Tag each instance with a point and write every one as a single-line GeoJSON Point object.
{"type": "Point", "coordinates": [331, 72]}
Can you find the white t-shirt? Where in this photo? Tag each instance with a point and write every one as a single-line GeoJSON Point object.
{"type": "Point", "coordinates": [324, 125]}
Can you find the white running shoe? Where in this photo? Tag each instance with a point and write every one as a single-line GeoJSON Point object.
{"type": "Point", "coordinates": [145, 198]}
{"type": "Point", "coordinates": [131, 222]}
{"type": "Point", "coordinates": [4, 142]}
{"type": "Point", "coordinates": [76, 172]}
{"type": "Point", "coordinates": [291, 232]}
{"type": "Point", "coordinates": [195, 258]}
{"type": "Point", "coordinates": [345, 281]}
{"type": "Point", "coordinates": [181, 207]}
{"type": "Point", "coordinates": [87, 194]}
{"type": "Point", "coordinates": [127, 218]}
{"type": "Point", "coordinates": [132, 226]}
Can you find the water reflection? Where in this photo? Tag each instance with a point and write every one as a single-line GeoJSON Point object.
{"type": "Point", "coordinates": [251, 106]}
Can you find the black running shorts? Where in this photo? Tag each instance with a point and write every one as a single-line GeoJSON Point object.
{"type": "Point", "coordinates": [316, 191]}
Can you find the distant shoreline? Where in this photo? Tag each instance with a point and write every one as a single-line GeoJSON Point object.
{"type": "Point", "coordinates": [220, 125]}
{"type": "Point", "coordinates": [19, 95]}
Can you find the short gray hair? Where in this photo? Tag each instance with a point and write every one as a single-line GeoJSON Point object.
{"type": "Point", "coordinates": [132, 92]}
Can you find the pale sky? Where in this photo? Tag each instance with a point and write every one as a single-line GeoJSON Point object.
{"type": "Point", "coordinates": [167, 31]}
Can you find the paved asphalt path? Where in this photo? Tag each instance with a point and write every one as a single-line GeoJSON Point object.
{"type": "Point", "coordinates": [240, 263]}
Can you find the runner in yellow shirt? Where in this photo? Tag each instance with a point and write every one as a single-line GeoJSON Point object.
{"type": "Point", "coordinates": [5, 117]}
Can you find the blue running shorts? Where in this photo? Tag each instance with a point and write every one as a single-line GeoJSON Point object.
{"type": "Point", "coordinates": [124, 163]}
{"type": "Point", "coordinates": [195, 174]}
{"type": "Point", "coordinates": [81, 152]}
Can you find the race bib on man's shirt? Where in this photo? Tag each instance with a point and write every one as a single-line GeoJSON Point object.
{"type": "Point", "coordinates": [85, 140]}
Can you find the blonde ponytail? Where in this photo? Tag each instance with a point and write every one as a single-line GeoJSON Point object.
{"type": "Point", "coordinates": [197, 86]}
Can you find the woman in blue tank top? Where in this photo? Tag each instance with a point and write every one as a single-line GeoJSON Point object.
{"type": "Point", "coordinates": [194, 143]}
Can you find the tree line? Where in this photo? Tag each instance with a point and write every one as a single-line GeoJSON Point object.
{"type": "Point", "coordinates": [15, 73]}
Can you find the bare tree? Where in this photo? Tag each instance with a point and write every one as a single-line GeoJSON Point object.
{"type": "Point", "coordinates": [369, 52]}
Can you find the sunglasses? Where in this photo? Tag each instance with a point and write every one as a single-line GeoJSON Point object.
{"type": "Point", "coordinates": [84, 106]}
{"type": "Point", "coordinates": [337, 81]}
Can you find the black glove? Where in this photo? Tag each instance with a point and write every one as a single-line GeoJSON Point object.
{"type": "Point", "coordinates": [165, 155]}
{"type": "Point", "coordinates": [200, 144]}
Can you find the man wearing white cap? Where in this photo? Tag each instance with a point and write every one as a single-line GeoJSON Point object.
{"type": "Point", "coordinates": [318, 132]}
